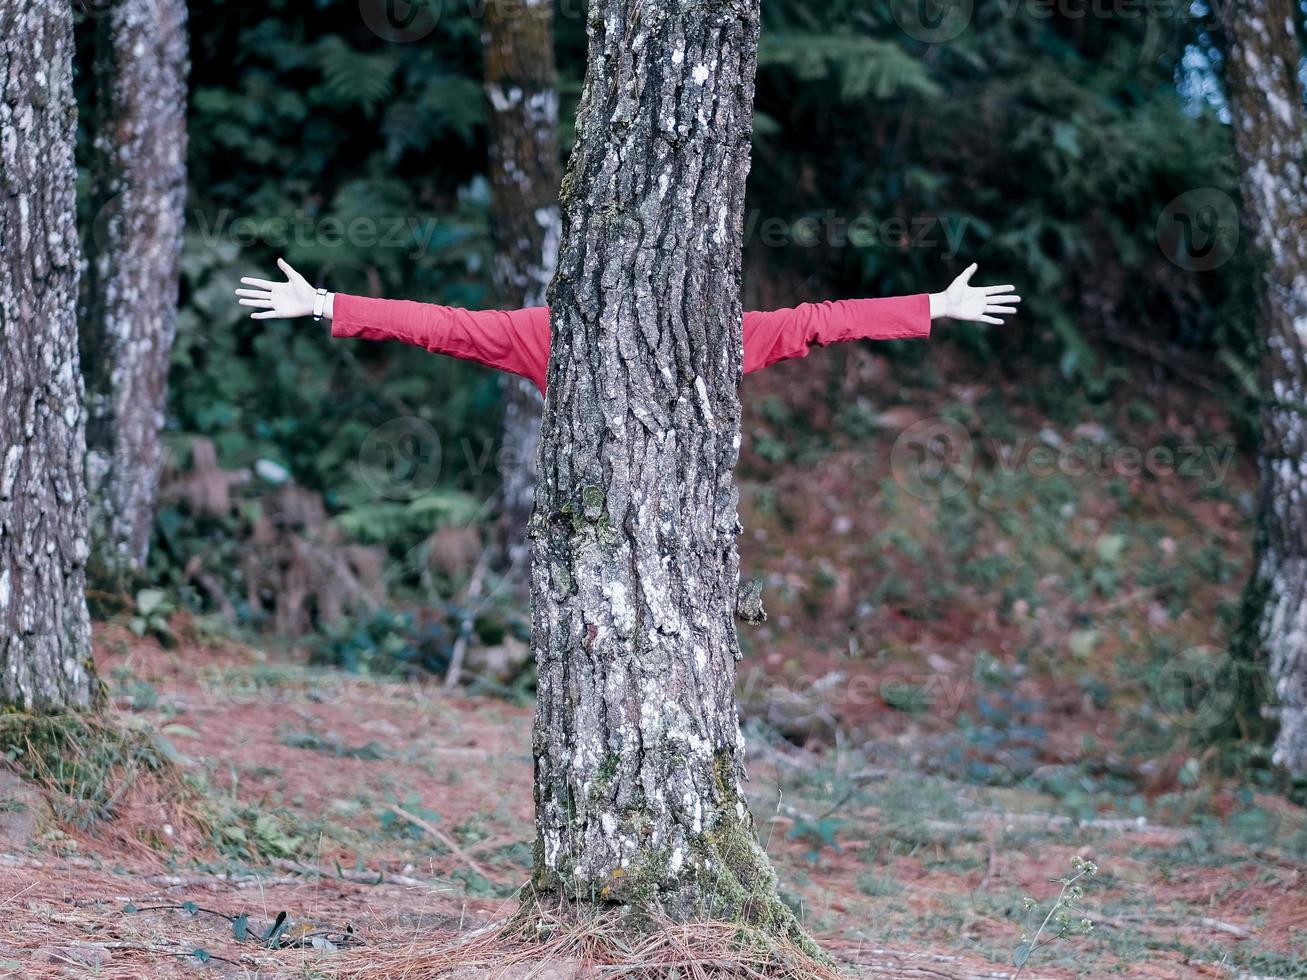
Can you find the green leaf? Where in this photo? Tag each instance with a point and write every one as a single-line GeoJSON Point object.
{"type": "Point", "coordinates": [1021, 954]}
{"type": "Point", "coordinates": [354, 78]}
{"type": "Point", "coordinates": [150, 601]}
{"type": "Point", "coordinates": [1083, 642]}
{"type": "Point", "coordinates": [240, 928]}
{"type": "Point", "coordinates": [1110, 547]}
{"type": "Point", "coordinates": [275, 930]}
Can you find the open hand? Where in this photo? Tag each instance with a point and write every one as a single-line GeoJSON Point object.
{"type": "Point", "coordinates": [286, 300]}
{"type": "Point", "coordinates": [979, 304]}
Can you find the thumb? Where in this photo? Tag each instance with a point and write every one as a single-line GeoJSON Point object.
{"type": "Point", "coordinates": [970, 271]}
{"type": "Point", "coordinates": [284, 266]}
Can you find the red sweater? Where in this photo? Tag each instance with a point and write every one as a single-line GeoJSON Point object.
{"type": "Point", "coordinates": [518, 341]}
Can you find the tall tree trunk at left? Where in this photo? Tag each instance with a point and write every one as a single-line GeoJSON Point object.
{"type": "Point", "coordinates": [139, 195]}
{"type": "Point", "coordinates": [635, 573]}
{"type": "Point", "coordinates": [522, 89]}
{"type": "Point", "coordinates": [1270, 137]}
{"type": "Point", "coordinates": [45, 633]}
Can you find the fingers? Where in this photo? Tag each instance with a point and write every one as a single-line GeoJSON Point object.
{"type": "Point", "coordinates": [991, 290]}
{"type": "Point", "coordinates": [254, 293]}
{"type": "Point", "coordinates": [1006, 300]}
{"type": "Point", "coordinates": [984, 319]}
{"type": "Point", "coordinates": [1000, 309]}
{"type": "Point", "coordinates": [261, 283]}
{"type": "Point", "coordinates": [267, 315]}
{"type": "Point", "coordinates": [265, 304]}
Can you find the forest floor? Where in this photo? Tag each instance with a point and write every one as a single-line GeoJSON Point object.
{"type": "Point", "coordinates": [955, 696]}
{"type": "Point", "coordinates": [899, 873]}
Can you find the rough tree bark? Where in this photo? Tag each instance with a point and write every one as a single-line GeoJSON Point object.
{"type": "Point", "coordinates": [45, 638]}
{"type": "Point", "coordinates": [522, 88]}
{"type": "Point", "coordinates": [1271, 140]}
{"type": "Point", "coordinates": [139, 195]}
{"type": "Point", "coordinates": [639, 757]}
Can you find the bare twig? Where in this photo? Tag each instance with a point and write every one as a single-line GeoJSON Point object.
{"type": "Point", "coordinates": [450, 844]}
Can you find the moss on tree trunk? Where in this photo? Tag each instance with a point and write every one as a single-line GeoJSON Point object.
{"type": "Point", "coordinates": [639, 757]}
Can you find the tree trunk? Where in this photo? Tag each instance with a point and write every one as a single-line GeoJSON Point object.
{"type": "Point", "coordinates": [139, 194]}
{"type": "Point", "coordinates": [45, 637]}
{"type": "Point", "coordinates": [1267, 111]}
{"type": "Point", "coordinates": [522, 88]}
{"type": "Point", "coordinates": [639, 757]}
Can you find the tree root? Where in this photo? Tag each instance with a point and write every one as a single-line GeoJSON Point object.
{"type": "Point", "coordinates": [583, 940]}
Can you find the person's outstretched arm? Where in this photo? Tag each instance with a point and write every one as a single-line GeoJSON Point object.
{"type": "Point", "coordinates": [784, 334]}
{"type": "Point", "coordinates": [515, 341]}
{"type": "Point", "coordinates": [518, 341]}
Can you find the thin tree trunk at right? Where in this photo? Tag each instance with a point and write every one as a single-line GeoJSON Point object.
{"type": "Point", "coordinates": [522, 89]}
{"type": "Point", "coordinates": [45, 633]}
{"type": "Point", "coordinates": [1267, 112]}
{"type": "Point", "coordinates": [139, 195]}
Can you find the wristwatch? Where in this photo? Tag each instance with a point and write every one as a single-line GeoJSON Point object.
{"type": "Point", "coordinates": [319, 305]}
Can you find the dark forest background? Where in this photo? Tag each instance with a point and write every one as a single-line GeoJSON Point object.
{"type": "Point", "coordinates": [971, 676]}
{"type": "Point", "coordinates": [1047, 148]}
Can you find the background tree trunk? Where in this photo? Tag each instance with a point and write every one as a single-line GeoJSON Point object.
{"type": "Point", "coordinates": [139, 195]}
{"type": "Point", "coordinates": [1267, 110]}
{"type": "Point", "coordinates": [639, 757]}
{"type": "Point", "coordinates": [45, 636]}
{"type": "Point", "coordinates": [522, 88]}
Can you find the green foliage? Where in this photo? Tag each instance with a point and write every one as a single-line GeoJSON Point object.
{"type": "Point", "coordinates": [1049, 141]}
{"type": "Point", "coordinates": [360, 161]}
{"type": "Point", "coordinates": [863, 66]}
{"type": "Point", "coordinates": [89, 765]}
{"type": "Point", "coordinates": [247, 832]}
{"type": "Point", "coordinates": [352, 78]}
{"type": "Point", "coordinates": [1064, 919]}
{"type": "Point", "coordinates": [153, 608]}
{"type": "Point", "coordinates": [1045, 147]}
{"type": "Point", "coordinates": [325, 743]}
{"type": "Point", "coordinates": [817, 832]}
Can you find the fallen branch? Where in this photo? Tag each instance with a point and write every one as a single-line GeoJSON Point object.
{"type": "Point", "coordinates": [450, 844]}
{"type": "Point", "coordinates": [468, 624]}
{"type": "Point", "coordinates": [356, 877]}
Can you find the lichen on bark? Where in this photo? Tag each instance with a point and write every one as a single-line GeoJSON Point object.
{"type": "Point", "coordinates": [1270, 135]}
{"type": "Point", "coordinates": [521, 81]}
{"type": "Point", "coordinates": [45, 637]}
{"type": "Point", "coordinates": [639, 757]}
{"type": "Point", "coordinates": [138, 197]}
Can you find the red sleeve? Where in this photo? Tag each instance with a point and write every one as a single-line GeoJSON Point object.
{"type": "Point", "coordinates": [783, 334]}
{"type": "Point", "coordinates": [516, 341]}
